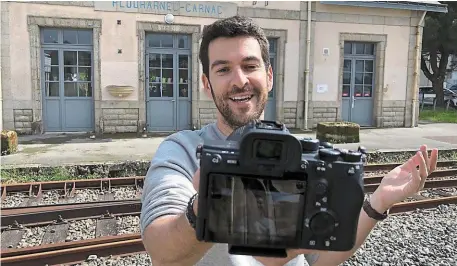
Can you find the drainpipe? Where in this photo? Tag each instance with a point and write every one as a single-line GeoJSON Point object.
{"type": "Point", "coordinates": [308, 46]}
{"type": "Point", "coordinates": [416, 68]}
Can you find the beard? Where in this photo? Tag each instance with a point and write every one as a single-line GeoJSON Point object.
{"type": "Point", "coordinates": [238, 118]}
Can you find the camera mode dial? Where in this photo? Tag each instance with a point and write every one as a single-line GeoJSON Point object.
{"type": "Point", "coordinates": [309, 145]}
{"type": "Point", "coordinates": [329, 155]}
{"type": "Point", "coordinates": [322, 223]}
{"type": "Point", "coordinates": [351, 156]}
{"type": "Point", "coordinates": [326, 145]}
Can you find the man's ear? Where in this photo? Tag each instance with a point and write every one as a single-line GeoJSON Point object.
{"type": "Point", "coordinates": [206, 86]}
{"type": "Point", "coordinates": [270, 78]}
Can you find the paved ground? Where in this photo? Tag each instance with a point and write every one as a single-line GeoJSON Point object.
{"type": "Point", "coordinates": [53, 149]}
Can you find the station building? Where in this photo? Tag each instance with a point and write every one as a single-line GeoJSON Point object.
{"type": "Point", "coordinates": [130, 66]}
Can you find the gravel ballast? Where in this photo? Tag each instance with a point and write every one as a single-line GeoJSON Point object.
{"type": "Point", "coordinates": [81, 195]}
{"type": "Point", "coordinates": [420, 238]}
{"type": "Point", "coordinates": [137, 260]}
{"type": "Point", "coordinates": [424, 237]}
{"type": "Point", "coordinates": [79, 230]}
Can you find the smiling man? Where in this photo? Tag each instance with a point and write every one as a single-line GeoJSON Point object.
{"type": "Point", "coordinates": [237, 75]}
{"type": "Point", "coordinates": [236, 72]}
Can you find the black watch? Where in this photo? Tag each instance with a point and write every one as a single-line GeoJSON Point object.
{"type": "Point", "coordinates": [372, 213]}
{"type": "Point", "coordinates": [190, 214]}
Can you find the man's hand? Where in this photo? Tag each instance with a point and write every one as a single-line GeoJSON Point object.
{"type": "Point", "coordinates": [405, 180]}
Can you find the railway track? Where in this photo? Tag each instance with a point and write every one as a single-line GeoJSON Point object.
{"type": "Point", "coordinates": [390, 166]}
{"type": "Point", "coordinates": [56, 249]}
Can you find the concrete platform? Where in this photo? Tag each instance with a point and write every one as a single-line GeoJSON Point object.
{"type": "Point", "coordinates": [63, 149]}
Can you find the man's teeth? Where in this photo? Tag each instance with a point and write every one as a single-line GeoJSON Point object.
{"type": "Point", "coordinates": [241, 98]}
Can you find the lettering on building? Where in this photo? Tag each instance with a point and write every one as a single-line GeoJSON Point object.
{"type": "Point", "coordinates": [191, 8]}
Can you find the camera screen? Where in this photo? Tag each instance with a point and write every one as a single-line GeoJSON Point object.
{"type": "Point", "coordinates": [255, 211]}
{"type": "Point", "coordinates": [268, 149]}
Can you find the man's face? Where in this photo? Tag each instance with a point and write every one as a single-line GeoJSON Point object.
{"type": "Point", "coordinates": [239, 79]}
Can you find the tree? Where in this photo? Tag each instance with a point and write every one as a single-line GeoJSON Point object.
{"type": "Point", "coordinates": [438, 43]}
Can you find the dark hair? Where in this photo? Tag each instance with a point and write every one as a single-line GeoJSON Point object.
{"type": "Point", "coordinates": [232, 27]}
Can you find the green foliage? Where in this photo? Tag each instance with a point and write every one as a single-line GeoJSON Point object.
{"type": "Point", "coordinates": [440, 31]}
{"type": "Point", "coordinates": [439, 115]}
{"type": "Point", "coordinates": [439, 41]}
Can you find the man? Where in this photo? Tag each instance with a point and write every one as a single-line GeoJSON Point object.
{"type": "Point", "coordinates": [237, 75]}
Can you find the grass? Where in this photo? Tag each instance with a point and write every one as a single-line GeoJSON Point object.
{"type": "Point", "coordinates": [9, 176]}
{"type": "Point", "coordinates": [439, 115]}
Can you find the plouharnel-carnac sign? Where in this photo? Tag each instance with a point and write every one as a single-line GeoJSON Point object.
{"type": "Point", "coordinates": [177, 8]}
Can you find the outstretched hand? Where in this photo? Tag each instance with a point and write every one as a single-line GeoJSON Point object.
{"type": "Point", "coordinates": [406, 180]}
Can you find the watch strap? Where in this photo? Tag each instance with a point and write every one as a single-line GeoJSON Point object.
{"type": "Point", "coordinates": [372, 213]}
{"type": "Point", "coordinates": [190, 214]}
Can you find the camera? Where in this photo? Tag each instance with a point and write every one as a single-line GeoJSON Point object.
{"type": "Point", "coordinates": [270, 191]}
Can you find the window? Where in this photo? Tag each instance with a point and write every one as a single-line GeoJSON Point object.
{"type": "Point", "coordinates": [66, 36]}
{"type": "Point", "coordinates": [357, 48]}
{"type": "Point", "coordinates": [160, 40]}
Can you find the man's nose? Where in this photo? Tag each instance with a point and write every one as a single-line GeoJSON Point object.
{"type": "Point", "coordinates": [239, 78]}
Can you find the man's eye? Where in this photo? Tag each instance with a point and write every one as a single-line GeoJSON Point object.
{"type": "Point", "coordinates": [222, 70]}
{"type": "Point", "coordinates": [251, 67]}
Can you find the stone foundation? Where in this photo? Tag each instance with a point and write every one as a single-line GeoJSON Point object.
{"type": "Point", "coordinates": [207, 113]}
{"type": "Point", "coordinates": [393, 114]}
{"type": "Point", "coordinates": [290, 114]}
{"type": "Point", "coordinates": [322, 112]}
{"type": "Point", "coordinates": [120, 120]}
{"type": "Point", "coordinates": [23, 119]}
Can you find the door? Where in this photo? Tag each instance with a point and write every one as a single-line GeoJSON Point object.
{"type": "Point", "coordinates": [358, 83]}
{"type": "Point", "coordinates": [270, 108]}
{"type": "Point", "coordinates": [168, 79]}
{"type": "Point", "coordinates": [161, 102]}
{"type": "Point", "coordinates": [67, 80]}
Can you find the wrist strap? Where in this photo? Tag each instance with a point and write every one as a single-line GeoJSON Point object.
{"type": "Point", "coordinates": [190, 214]}
{"type": "Point", "coordinates": [372, 213]}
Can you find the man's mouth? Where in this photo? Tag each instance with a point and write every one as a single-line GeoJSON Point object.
{"type": "Point", "coordinates": [242, 98]}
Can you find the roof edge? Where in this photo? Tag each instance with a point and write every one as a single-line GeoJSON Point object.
{"type": "Point", "coordinates": [407, 5]}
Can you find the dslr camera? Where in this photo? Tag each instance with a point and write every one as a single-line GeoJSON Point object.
{"type": "Point", "coordinates": [268, 191]}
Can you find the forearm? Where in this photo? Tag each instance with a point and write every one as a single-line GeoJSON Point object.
{"type": "Point", "coordinates": [170, 240]}
{"type": "Point", "coordinates": [365, 225]}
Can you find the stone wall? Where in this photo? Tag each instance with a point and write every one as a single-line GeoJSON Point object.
{"type": "Point", "coordinates": [393, 114]}
{"type": "Point", "coordinates": [7, 101]}
{"type": "Point", "coordinates": [290, 114]}
{"type": "Point", "coordinates": [23, 119]}
{"type": "Point", "coordinates": [122, 120]}
{"type": "Point", "coordinates": [207, 113]}
{"type": "Point", "coordinates": [322, 112]}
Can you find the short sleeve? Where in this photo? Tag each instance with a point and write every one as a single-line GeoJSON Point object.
{"type": "Point", "coordinates": [168, 182]}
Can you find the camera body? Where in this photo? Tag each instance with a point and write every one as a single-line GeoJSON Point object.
{"type": "Point", "coordinates": [272, 191]}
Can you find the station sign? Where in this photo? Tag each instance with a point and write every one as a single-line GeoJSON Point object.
{"type": "Point", "coordinates": [177, 8]}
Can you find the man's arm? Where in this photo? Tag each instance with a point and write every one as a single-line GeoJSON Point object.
{"type": "Point", "coordinates": [170, 240]}
{"type": "Point", "coordinates": [167, 235]}
{"type": "Point", "coordinates": [365, 225]}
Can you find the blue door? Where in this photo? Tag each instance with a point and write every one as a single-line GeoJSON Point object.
{"type": "Point", "coordinates": [168, 82]}
{"type": "Point", "coordinates": [270, 108]}
{"type": "Point", "coordinates": [358, 83]}
{"type": "Point", "coordinates": [67, 80]}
